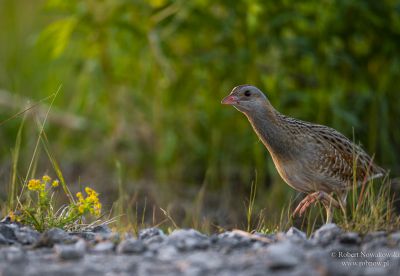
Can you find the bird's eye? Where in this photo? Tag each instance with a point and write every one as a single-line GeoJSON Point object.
{"type": "Point", "coordinates": [247, 93]}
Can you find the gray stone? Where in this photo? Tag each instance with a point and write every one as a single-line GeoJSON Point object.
{"type": "Point", "coordinates": [4, 241]}
{"type": "Point", "coordinates": [271, 236]}
{"type": "Point", "coordinates": [55, 236]}
{"type": "Point", "coordinates": [155, 242]}
{"type": "Point", "coordinates": [103, 228]}
{"type": "Point", "coordinates": [374, 235]}
{"type": "Point", "coordinates": [148, 233]}
{"type": "Point", "coordinates": [375, 244]}
{"type": "Point", "coordinates": [188, 252]}
{"type": "Point", "coordinates": [188, 239]}
{"type": "Point", "coordinates": [326, 234]}
{"type": "Point", "coordinates": [283, 255]}
{"type": "Point", "coordinates": [104, 247]}
{"type": "Point", "coordinates": [295, 233]}
{"type": "Point", "coordinates": [14, 254]}
{"type": "Point", "coordinates": [8, 231]}
{"type": "Point", "coordinates": [167, 253]}
{"type": "Point", "coordinates": [350, 238]}
{"type": "Point", "coordinates": [228, 241]}
{"type": "Point", "coordinates": [71, 251]}
{"type": "Point", "coordinates": [99, 233]}
{"type": "Point", "coordinates": [131, 246]}
{"type": "Point", "coordinates": [86, 235]}
{"type": "Point", "coordinates": [374, 240]}
{"type": "Point", "coordinates": [394, 239]}
{"type": "Point", "coordinates": [26, 235]}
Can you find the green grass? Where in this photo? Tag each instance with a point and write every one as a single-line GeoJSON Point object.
{"type": "Point", "coordinates": [371, 207]}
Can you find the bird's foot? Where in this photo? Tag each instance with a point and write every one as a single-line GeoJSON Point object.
{"type": "Point", "coordinates": [326, 199]}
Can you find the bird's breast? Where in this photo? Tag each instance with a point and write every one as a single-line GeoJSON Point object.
{"type": "Point", "coordinates": [292, 172]}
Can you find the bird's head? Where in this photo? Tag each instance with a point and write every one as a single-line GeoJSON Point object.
{"type": "Point", "coordinates": [246, 98]}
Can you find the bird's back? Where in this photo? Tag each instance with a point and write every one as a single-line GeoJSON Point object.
{"type": "Point", "coordinates": [323, 158]}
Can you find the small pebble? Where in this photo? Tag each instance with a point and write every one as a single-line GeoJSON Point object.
{"type": "Point", "coordinates": [131, 246]}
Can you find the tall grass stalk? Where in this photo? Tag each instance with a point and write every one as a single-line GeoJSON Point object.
{"type": "Point", "coordinates": [251, 201]}
{"type": "Point", "coordinates": [38, 142]}
{"type": "Point", "coordinates": [371, 208]}
{"type": "Point", "coordinates": [56, 168]}
{"type": "Point", "coordinates": [13, 186]}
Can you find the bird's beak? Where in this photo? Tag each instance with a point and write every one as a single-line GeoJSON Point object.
{"type": "Point", "coordinates": [230, 99]}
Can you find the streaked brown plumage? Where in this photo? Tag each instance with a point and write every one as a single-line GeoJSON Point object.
{"type": "Point", "coordinates": [311, 158]}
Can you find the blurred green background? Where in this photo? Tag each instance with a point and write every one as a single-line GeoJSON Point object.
{"type": "Point", "coordinates": [139, 118]}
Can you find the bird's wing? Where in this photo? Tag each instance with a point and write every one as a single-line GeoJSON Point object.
{"type": "Point", "coordinates": [338, 157]}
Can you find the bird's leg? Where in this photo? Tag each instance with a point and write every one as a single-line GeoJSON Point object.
{"type": "Point", "coordinates": [336, 203]}
{"type": "Point", "coordinates": [328, 208]}
{"type": "Point", "coordinates": [305, 203]}
{"type": "Point", "coordinates": [325, 198]}
{"type": "Point", "coordinates": [329, 214]}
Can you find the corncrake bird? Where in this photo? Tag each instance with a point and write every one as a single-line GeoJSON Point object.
{"type": "Point", "coordinates": [311, 158]}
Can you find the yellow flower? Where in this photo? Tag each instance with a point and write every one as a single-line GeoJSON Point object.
{"type": "Point", "coordinates": [79, 195]}
{"type": "Point", "coordinates": [46, 178]}
{"type": "Point", "coordinates": [92, 199]}
{"type": "Point", "coordinates": [91, 192]}
{"type": "Point", "coordinates": [90, 203]}
{"type": "Point", "coordinates": [35, 185]}
{"type": "Point", "coordinates": [55, 183]}
{"type": "Point", "coordinates": [81, 209]}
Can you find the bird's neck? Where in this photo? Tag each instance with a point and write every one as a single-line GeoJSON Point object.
{"type": "Point", "coordinates": [267, 124]}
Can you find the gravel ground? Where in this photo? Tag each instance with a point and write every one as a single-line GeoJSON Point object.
{"type": "Point", "coordinates": [329, 251]}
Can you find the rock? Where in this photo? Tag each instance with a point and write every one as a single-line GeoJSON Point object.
{"type": "Point", "coordinates": [394, 239]}
{"type": "Point", "coordinates": [148, 233]}
{"type": "Point", "coordinates": [104, 247]}
{"type": "Point", "coordinates": [188, 239]}
{"type": "Point", "coordinates": [71, 251]}
{"type": "Point", "coordinates": [271, 237]}
{"type": "Point", "coordinates": [283, 255]}
{"type": "Point", "coordinates": [3, 240]}
{"type": "Point", "coordinates": [374, 240]}
{"type": "Point", "coordinates": [350, 238]}
{"type": "Point", "coordinates": [167, 253]}
{"type": "Point", "coordinates": [86, 235]}
{"type": "Point", "coordinates": [326, 234]}
{"type": "Point", "coordinates": [131, 246]}
{"type": "Point", "coordinates": [152, 238]}
{"type": "Point", "coordinates": [26, 235]}
{"type": "Point", "coordinates": [326, 261]}
{"type": "Point", "coordinates": [229, 241]}
{"type": "Point", "coordinates": [55, 236]}
{"type": "Point", "coordinates": [295, 233]}
{"type": "Point", "coordinates": [374, 235]}
{"type": "Point", "coordinates": [8, 231]}
{"type": "Point", "coordinates": [114, 237]}
{"type": "Point", "coordinates": [103, 228]}
{"type": "Point", "coordinates": [188, 252]}
{"type": "Point", "coordinates": [375, 244]}
{"type": "Point", "coordinates": [14, 254]}
{"type": "Point", "coordinates": [103, 232]}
